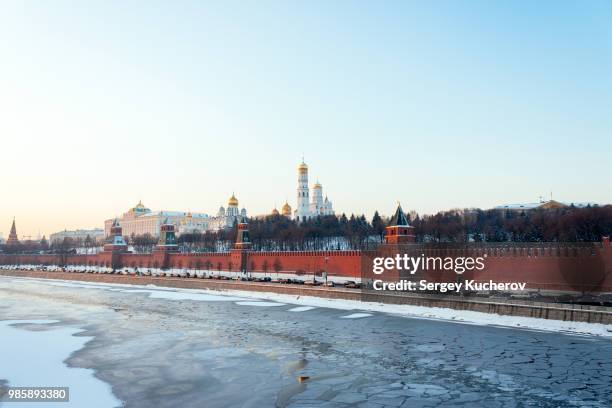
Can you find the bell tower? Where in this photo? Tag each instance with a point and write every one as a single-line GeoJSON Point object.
{"type": "Point", "coordinates": [302, 211]}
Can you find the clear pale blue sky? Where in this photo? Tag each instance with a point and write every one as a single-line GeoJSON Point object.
{"type": "Point", "coordinates": [437, 104]}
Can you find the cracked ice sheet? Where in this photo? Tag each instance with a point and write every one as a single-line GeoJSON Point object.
{"type": "Point", "coordinates": [421, 312]}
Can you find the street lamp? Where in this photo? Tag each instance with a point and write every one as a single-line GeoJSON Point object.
{"type": "Point", "coordinates": [325, 270]}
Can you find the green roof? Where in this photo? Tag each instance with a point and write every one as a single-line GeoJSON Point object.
{"type": "Point", "coordinates": [399, 218]}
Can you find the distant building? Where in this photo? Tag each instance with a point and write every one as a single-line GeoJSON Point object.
{"type": "Point", "coordinates": [285, 212]}
{"type": "Point", "coordinates": [96, 235]}
{"type": "Point", "coordinates": [140, 220]}
{"type": "Point", "coordinates": [550, 204]}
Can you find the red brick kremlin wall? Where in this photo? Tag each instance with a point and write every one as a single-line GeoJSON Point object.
{"type": "Point", "coordinates": [585, 268]}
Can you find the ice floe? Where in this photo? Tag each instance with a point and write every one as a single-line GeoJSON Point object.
{"type": "Point", "coordinates": [35, 358]}
{"type": "Point", "coordinates": [257, 303]}
{"type": "Point", "coordinates": [356, 316]}
{"type": "Point", "coordinates": [301, 309]}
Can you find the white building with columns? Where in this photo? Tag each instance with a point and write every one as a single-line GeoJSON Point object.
{"type": "Point", "coordinates": [307, 208]}
{"type": "Point", "coordinates": [140, 220]}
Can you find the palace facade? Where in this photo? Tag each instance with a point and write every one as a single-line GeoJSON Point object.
{"type": "Point", "coordinates": [140, 220]}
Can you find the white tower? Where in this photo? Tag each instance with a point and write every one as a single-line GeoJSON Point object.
{"type": "Point", "coordinates": [302, 212]}
{"type": "Point", "coordinates": [316, 208]}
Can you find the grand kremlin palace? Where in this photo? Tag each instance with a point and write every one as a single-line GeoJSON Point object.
{"type": "Point", "coordinates": [140, 220]}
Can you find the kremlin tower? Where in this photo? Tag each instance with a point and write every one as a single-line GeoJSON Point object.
{"type": "Point", "coordinates": [12, 238]}
{"type": "Point", "coordinates": [399, 231]}
{"type": "Point", "coordinates": [243, 240]}
{"type": "Point", "coordinates": [167, 237]}
{"type": "Point", "coordinates": [116, 243]}
{"type": "Point", "coordinates": [239, 255]}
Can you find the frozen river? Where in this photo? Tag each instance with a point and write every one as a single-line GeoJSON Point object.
{"type": "Point", "coordinates": [163, 348]}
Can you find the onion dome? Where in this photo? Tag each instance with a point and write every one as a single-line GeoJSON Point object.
{"type": "Point", "coordinates": [317, 185]}
{"type": "Point", "coordinates": [275, 211]}
{"type": "Point", "coordinates": [233, 201]}
{"type": "Point", "coordinates": [286, 209]}
{"type": "Point", "coordinates": [303, 167]}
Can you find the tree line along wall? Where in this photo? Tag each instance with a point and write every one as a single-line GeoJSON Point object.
{"type": "Point", "coordinates": [545, 266]}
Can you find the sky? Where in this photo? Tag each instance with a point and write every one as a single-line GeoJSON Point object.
{"type": "Point", "coordinates": [437, 105]}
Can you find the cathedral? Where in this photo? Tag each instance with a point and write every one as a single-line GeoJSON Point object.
{"type": "Point", "coordinates": [226, 218]}
{"type": "Point", "coordinates": [307, 208]}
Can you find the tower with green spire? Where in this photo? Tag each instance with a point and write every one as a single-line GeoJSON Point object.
{"type": "Point", "coordinates": [243, 239]}
{"type": "Point", "coordinates": [167, 237]}
{"type": "Point", "coordinates": [116, 242]}
{"type": "Point", "coordinates": [399, 231]}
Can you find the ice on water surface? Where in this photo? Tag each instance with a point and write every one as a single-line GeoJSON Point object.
{"type": "Point", "coordinates": [33, 355]}
{"type": "Point", "coordinates": [186, 347]}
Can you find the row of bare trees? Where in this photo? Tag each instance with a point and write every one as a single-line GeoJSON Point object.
{"type": "Point", "coordinates": [568, 224]}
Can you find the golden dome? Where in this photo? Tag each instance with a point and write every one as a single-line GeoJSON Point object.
{"type": "Point", "coordinates": [139, 207]}
{"type": "Point", "coordinates": [274, 211]}
{"type": "Point", "coordinates": [317, 185]}
{"type": "Point", "coordinates": [233, 201]}
{"type": "Point", "coordinates": [286, 209]}
{"type": "Point", "coordinates": [303, 167]}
